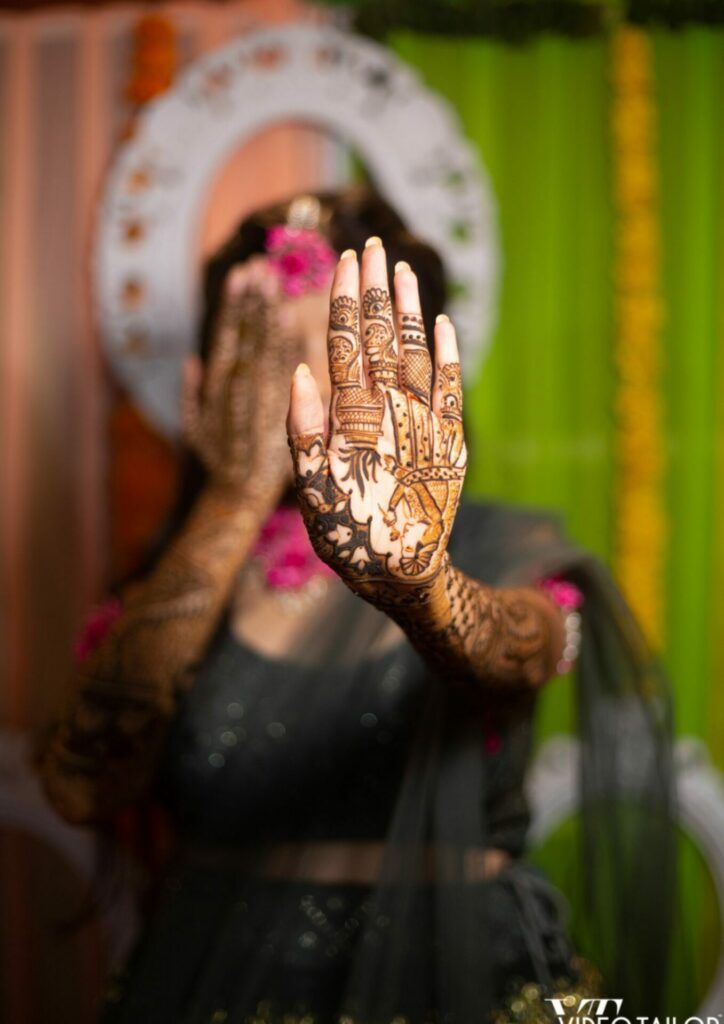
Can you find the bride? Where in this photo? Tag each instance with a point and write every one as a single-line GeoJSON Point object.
{"type": "Point", "coordinates": [328, 677]}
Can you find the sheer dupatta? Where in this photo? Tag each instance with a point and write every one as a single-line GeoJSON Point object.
{"type": "Point", "coordinates": [422, 940]}
{"type": "Point", "coordinates": [436, 954]}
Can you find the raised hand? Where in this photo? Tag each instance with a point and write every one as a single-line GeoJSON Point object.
{"type": "Point", "coordinates": [379, 495]}
{"type": "Point", "coordinates": [234, 418]}
{"type": "Point", "coordinates": [379, 490]}
{"type": "Point", "coordinates": [103, 752]}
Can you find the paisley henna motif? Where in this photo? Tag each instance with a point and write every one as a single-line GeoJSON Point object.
{"type": "Point", "coordinates": [344, 315]}
{"type": "Point", "coordinates": [451, 389]}
{"type": "Point", "coordinates": [344, 351]}
{"type": "Point", "coordinates": [379, 337]}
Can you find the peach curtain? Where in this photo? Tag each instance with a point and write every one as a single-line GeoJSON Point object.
{"type": "Point", "coordinates": [63, 111]}
{"type": "Point", "coordinates": [62, 78]}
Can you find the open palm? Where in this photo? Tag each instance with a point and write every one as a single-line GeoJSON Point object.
{"type": "Point", "coordinates": [380, 493]}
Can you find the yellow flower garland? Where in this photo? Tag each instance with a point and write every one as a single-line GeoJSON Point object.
{"type": "Point", "coordinates": [641, 527]}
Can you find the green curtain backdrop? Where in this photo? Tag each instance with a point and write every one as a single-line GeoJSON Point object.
{"type": "Point", "coordinates": [540, 413]}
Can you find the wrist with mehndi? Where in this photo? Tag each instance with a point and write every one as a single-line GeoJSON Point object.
{"type": "Point", "coordinates": [244, 507]}
{"type": "Point", "coordinates": [422, 602]}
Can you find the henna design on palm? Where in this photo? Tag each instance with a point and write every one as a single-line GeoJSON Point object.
{"type": "Point", "coordinates": [387, 470]}
{"type": "Point", "coordinates": [380, 493]}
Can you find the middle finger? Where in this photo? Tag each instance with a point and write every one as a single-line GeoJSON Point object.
{"type": "Point", "coordinates": [378, 332]}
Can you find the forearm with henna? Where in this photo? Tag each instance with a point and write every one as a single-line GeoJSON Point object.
{"type": "Point", "coordinates": [497, 637]}
{"type": "Point", "coordinates": [103, 752]}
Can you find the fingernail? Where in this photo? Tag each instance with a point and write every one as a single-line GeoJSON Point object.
{"type": "Point", "coordinates": [347, 254]}
{"type": "Point", "coordinates": [400, 266]}
{"type": "Point", "coordinates": [374, 240]}
{"type": "Point", "coordinates": [302, 370]}
{"type": "Point", "coordinates": [442, 318]}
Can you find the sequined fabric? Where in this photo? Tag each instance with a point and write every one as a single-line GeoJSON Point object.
{"type": "Point", "coordinates": [258, 754]}
{"type": "Point", "coordinates": [528, 1004]}
{"type": "Point", "coordinates": [270, 953]}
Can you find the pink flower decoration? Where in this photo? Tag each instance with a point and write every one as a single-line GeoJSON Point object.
{"type": "Point", "coordinates": [96, 627]}
{"type": "Point", "coordinates": [303, 259]}
{"type": "Point", "coordinates": [566, 594]}
{"type": "Point", "coordinates": [286, 552]}
{"type": "Point", "coordinates": [492, 742]}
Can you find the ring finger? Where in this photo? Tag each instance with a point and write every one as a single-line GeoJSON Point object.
{"type": "Point", "coordinates": [415, 362]}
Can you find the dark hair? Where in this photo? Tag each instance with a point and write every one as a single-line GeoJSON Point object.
{"type": "Point", "coordinates": [348, 217]}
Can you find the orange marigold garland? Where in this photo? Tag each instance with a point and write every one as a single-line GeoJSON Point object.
{"type": "Point", "coordinates": [154, 59]}
{"type": "Point", "coordinates": [143, 466]}
{"type": "Point", "coordinates": [640, 520]}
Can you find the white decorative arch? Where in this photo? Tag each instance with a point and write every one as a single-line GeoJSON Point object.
{"type": "Point", "coordinates": [410, 140]}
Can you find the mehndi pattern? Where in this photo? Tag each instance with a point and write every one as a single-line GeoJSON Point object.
{"type": "Point", "coordinates": [102, 753]}
{"type": "Point", "coordinates": [380, 494]}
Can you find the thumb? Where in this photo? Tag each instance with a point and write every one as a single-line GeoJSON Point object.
{"type": "Point", "coordinates": [306, 411]}
{"type": "Point", "coordinates": [305, 425]}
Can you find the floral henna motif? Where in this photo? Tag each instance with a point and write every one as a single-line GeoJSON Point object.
{"type": "Point", "coordinates": [344, 315]}
{"type": "Point", "coordinates": [337, 537]}
{"type": "Point", "coordinates": [451, 390]}
{"type": "Point", "coordinates": [344, 354]}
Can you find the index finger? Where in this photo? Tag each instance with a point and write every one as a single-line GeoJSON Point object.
{"type": "Point", "coordinates": [343, 346]}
